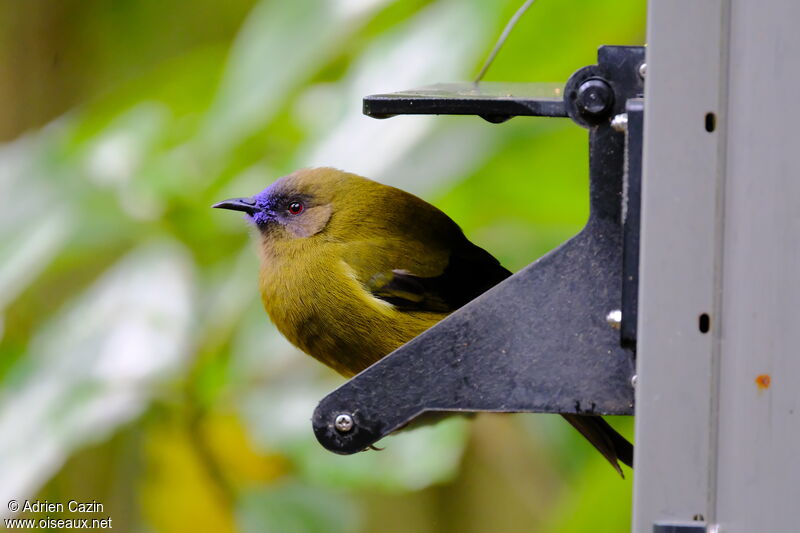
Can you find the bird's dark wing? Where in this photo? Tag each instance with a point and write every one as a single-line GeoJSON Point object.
{"type": "Point", "coordinates": [470, 271]}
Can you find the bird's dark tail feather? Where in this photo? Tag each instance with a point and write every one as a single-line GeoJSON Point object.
{"type": "Point", "coordinates": [608, 442]}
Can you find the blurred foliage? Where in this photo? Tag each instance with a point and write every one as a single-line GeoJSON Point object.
{"type": "Point", "coordinates": [136, 365]}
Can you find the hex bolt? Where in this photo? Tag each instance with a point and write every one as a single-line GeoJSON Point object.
{"type": "Point", "coordinates": [594, 97]}
{"type": "Point", "coordinates": [614, 318]}
{"type": "Point", "coordinates": [620, 122]}
{"type": "Point", "coordinates": [343, 423]}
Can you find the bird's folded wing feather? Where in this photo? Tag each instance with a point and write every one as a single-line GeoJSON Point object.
{"type": "Point", "coordinates": [415, 277]}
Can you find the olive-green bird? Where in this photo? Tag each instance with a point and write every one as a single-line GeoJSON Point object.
{"type": "Point", "coordinates": [351, 269]}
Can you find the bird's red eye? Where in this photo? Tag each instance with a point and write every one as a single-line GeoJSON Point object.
{"type": "Point", "coordinates": [295, 208]}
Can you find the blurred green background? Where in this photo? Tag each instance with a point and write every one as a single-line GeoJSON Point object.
{"type": "Point", "coordinates": [137, 367]}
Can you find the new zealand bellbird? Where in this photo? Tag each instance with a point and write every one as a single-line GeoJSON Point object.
{"type": "Point", "coordinates": [351, 269]}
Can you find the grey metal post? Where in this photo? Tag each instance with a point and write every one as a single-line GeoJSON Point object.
{"type": "Point", "coordinates": [718, 388]}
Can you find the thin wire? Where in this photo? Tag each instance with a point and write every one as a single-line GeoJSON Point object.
{"type": "Point", "coordinates": [503, 36]}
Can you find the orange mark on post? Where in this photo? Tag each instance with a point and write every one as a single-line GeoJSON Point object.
{"type": "Point", "coordinates": [763, 381]}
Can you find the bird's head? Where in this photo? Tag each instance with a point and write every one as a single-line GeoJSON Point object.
{"type": "Point", "coordinates": [296, 206]}
{"type": "Point", "coordinates": [338, 206]}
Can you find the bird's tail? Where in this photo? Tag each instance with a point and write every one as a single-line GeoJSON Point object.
{"type": "Point", "coordinates": [608, 442]}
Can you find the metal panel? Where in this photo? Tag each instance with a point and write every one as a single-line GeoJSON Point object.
{"type": "Point", "coordinates": [759, 387]}
{"type": "Point", "coordinates": [717, 413]}
{"type": "Point", "coordinates": [680, 236]}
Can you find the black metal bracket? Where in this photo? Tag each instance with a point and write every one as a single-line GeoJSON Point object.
{"type": "Point", "coordinates": [631, 219]}
{"type": "Point", "coordinates": [493, 102]}
{"type": "Point", "coordinates": [540, 341]}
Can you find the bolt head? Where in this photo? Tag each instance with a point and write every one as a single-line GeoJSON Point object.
{"type": "Point", "coordinates": [620, 122]}
{"type": "Point", "coordinates": [643, 70]}
{"type": "Point", "coordinates": [594, 97]}
{"type": "Point", "coordinates": [614, 318]}
{"type": "Point", "coordinates": [343, 423]}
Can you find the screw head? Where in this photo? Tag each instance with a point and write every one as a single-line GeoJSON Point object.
{"type": "Point", "coordinates": [594, 97]}
{"type": "Point", "coordinates": [614, 318]}
{"type": "Point", "coordinates": [634, 380]}
{"type": "Point", "coordinates": [643, 70]}
{"type": "Point", "coordinates": [343, 423]}
{"type": "Point", "coordinates": [620, 122]}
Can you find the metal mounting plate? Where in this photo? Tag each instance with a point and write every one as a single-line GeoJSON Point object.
{"type": "Point", "coordinates": [495, 102]}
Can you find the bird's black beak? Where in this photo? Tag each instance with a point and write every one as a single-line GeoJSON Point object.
{"type": "Point", "coordinates": [248, 205]}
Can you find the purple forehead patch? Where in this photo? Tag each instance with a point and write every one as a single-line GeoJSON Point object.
{"type": "Point", "coordinates": [264, 198]}
{"type": "Point", "coordinates": [265, 202]}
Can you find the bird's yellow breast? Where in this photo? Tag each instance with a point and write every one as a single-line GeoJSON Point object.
{"type": "Point", "coordinates": [318, 303]}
